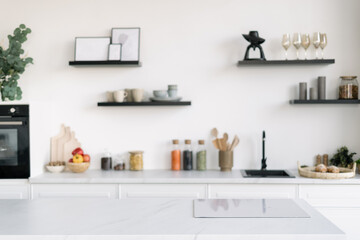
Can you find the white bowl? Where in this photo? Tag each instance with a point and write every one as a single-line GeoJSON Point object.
{"type": "Point", "coordinates": [55, 169]}
{"type": "Point", "coordinates": [160, 93]}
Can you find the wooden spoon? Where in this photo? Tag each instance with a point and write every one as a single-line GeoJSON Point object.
{"type": "Point", "coordinates": [215, 143]}
{"type": "Point", "coordinates": [234, 143]}
{"type": "Point", "coordinates": [224, 141]}
{"type": "Point", "coordinates": [214, 132]}
{"type": "Point", "coordinates": [225, 137]}
{"type": "Point", "coordinates": [228, 146]}
{"type": "Point", "coordinates": [222, 144]}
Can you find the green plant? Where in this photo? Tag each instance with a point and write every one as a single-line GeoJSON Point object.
{"type": "Point", "coordinates": [12, 64]}
{"type": "Point", "coordinates": [342, 158]}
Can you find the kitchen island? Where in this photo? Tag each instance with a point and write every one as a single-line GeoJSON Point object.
{"type": "Point", "coordinates": [149, 219]}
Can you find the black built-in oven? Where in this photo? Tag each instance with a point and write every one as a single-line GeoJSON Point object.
{"type": "Point", "coordinates": [14, 141]}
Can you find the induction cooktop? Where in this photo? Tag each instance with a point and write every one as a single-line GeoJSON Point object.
{"type": "Point", "coordinates": [248, 208]}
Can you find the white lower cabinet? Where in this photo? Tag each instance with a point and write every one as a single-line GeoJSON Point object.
{"type": "Point", "coordinates": [14, 191]}
{"type": "Point", "coordinates": [253, 191]}
{"type": "Point", "coordinates": [106, 191]}
{"type": "Point", "coordinates": [331, 195]}
{"type": "Point", "coordinates": [338, 203]}
{"type": "Point", "coordinates": [347, 219]}
{"type": "Point", "coordinates": [163, 191]}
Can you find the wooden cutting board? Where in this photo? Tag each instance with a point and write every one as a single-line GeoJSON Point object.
{"type": "Point", "coordinates": [54, 143]}
{"type": "Point", "coordinates": [60, 144]}
{"type": "Point", "coordinates": [69, 146]}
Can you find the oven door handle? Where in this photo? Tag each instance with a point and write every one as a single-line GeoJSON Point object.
{"type": "Point", "coordinates": [11, 123]}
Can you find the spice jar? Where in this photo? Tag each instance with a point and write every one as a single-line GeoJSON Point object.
{"type": "Point", "coordinates": [348, 88]}
{"type": "Point", "coordinates": [201, 156]}
{"type": "Point", "coordinates": [175, 156]}
{"type": "Point", "coordinates": [188, 156]}
{"type": "Point", "coordinates": [318, 159]}
{"type": "Point", "coordinates": [326, 160]}
{"type": "Point", "coordinates": [136, 160]}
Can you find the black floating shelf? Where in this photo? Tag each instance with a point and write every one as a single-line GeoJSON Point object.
{"type": "Point", "coordinates": [330, 101]}
{"type": "Point", "coordinates": [287, 62]}
{"type": "Point", "coordinates": [108, 63]}
{"type": "Point", "coordinates": [131, 104]}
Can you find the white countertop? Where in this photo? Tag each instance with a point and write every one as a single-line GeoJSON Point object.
{"type": "Point", "coordinates": [149, 219]}
{"type": "Point", "coordinates": [168, 176]}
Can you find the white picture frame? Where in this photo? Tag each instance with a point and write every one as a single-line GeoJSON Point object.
{"type": "Point", "coordinates": [114, 52]}
{"type": "Point", "coordinates": [129, 38]}
{"type": "Point", "coordinates": [92, 48]}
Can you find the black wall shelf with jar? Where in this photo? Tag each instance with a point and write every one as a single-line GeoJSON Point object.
{"type": "Point", "coordinates": [327, 101]}
{"type": "Point", "coordinates": [286, 62]}
{"type": "Point", "coordinates": [106, 63]}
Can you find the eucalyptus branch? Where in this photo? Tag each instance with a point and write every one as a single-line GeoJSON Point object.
{"type": "Point", "coordinates": [13, 63]}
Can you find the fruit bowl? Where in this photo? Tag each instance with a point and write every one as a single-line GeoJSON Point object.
{"type": "Point", "coordinates": [78, 167]}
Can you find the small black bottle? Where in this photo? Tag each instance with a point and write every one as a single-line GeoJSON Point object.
{"type": "Point", "coordinates": [188, 156]}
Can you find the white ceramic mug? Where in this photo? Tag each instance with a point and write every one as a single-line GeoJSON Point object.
{"type": "Point", "coordinates": [110, 96]}
{"type": "Point", "coordinates": [137, 94]}
{"type": "Point", "coordinates": [120, 95]}
{"type": "Point", "coordinates": [129, 97]}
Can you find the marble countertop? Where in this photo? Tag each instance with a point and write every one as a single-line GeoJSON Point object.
{"type": "Point", "coordinates": [149, 219]}
{"type": "Point", "coordinates": [168, 176]}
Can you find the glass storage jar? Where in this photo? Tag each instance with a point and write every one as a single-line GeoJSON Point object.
{"type": "Point", "coordinates": [106, 160]}
{"type": "Point", "coordinates": [119, 163]}
{"type": "Point", "coordinates": [136, 160]}
{"type": "Point", "coordinates": [175, 156]}
{"type": "Point", "coordinates": [348, 88]}
{"type": "Point", "coordinates": [201, 156]}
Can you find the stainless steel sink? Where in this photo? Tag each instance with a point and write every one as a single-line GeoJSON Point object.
{"type": "Point", "coordinates": [250, 173]}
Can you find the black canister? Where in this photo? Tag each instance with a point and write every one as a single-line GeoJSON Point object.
{"type": "Point", "coordinates": [188, 156]}
{"type": "Point", "coordinates": [106, 161]}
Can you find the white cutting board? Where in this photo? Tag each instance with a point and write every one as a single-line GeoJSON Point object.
{"type": "Point", "coordinates": [69, 146]}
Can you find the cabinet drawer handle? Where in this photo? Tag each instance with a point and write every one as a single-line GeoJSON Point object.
{"type": "Point", "coordinates": [74, 195]}
{"type": "Point", "coordinates": [251, 195]}
{"type": "Point", "coordinates": [162, 195]}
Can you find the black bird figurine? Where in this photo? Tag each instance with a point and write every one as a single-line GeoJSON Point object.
{"type": "Point", "coordinates": [255, 41]}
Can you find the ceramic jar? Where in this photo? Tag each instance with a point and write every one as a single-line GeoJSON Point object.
{"type": "Point", "coordinates": [226, 161]}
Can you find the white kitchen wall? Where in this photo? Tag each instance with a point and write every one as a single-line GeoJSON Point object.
{"type": "Point", "coordinates": [195, 44]}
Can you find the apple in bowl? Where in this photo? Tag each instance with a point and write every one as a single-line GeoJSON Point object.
{"type": "Point", "coordinates": [80, 162]}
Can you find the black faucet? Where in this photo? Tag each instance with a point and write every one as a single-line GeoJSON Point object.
{"type": "Point", "coordinates": [263, 160]}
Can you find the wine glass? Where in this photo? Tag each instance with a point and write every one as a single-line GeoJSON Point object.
{"type": "Point", "coordinates": [316, 42]}
{"type": "Point", "coordinates": [323, 43]}
{"type": "Point", "coordinates": [297, 43]}
{"type": "Point", "coordinates": [305, 43]}
{"type": "Point", "coordinates": [286, 42]}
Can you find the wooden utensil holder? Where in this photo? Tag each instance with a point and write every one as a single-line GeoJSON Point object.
{"type": "Point", "coordinates": [226, 161]}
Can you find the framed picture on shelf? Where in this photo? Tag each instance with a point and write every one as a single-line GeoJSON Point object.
{"type": "Point", "coordinates": [129, 38]}
{"type": "Point", "coordinates": [92, 48]}
{"type": "Point", "coordinates": [115, 52]}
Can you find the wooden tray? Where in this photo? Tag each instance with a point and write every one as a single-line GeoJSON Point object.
{"type": "Point", "coordinates": [310, 173]}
